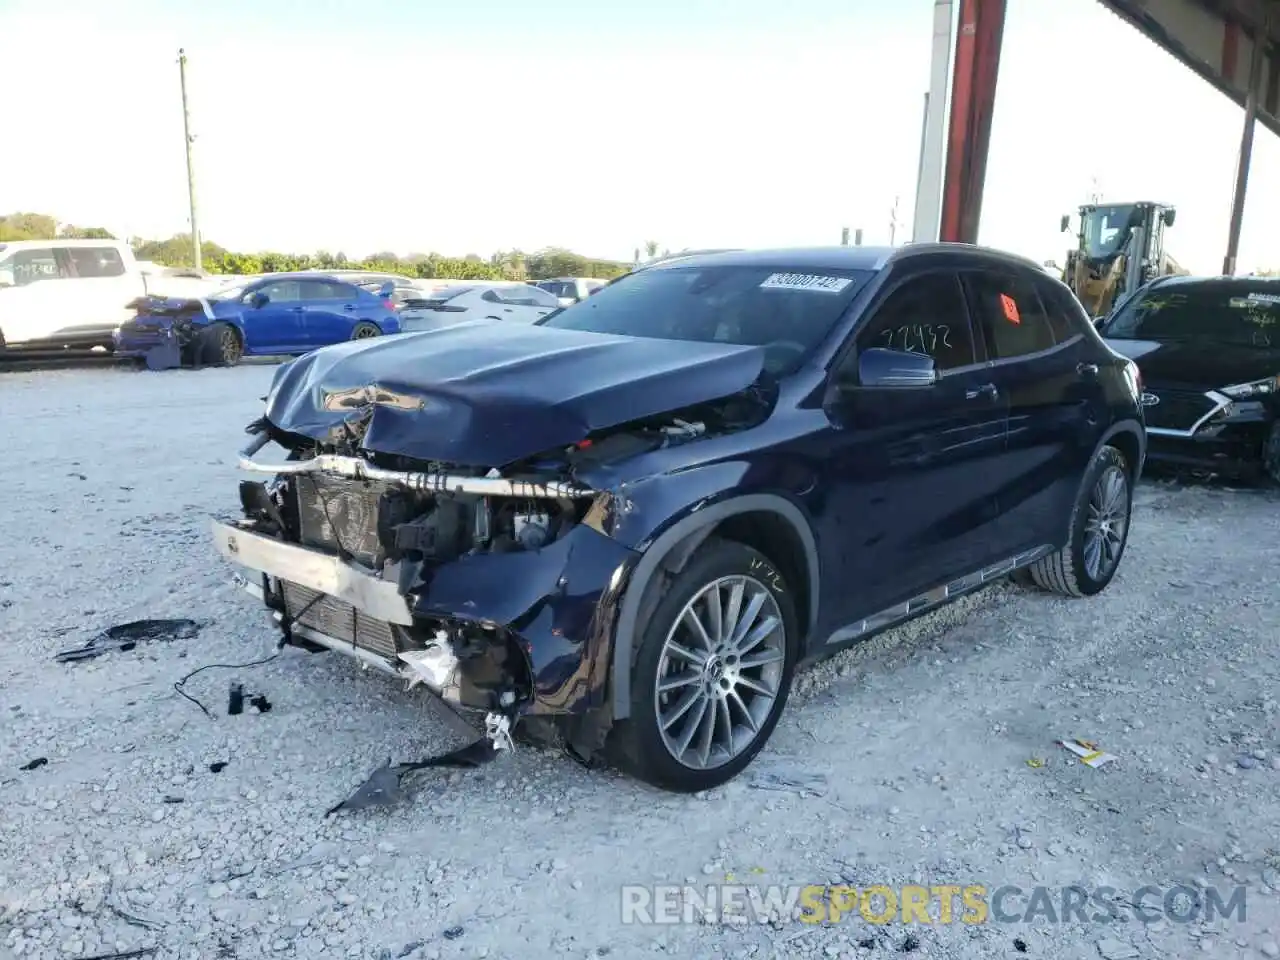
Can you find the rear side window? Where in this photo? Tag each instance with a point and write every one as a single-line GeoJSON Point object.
{"type": "Point", "coordinates": [96, 261]}
{"type": "Point", "coordinates": [1007, 306]}
{"type": "Point", "coordinates": [1066, 317]}
{"type": "Point", "coordinates": [925, 315]}
{"type": "Point", "coordinates": [320, 290]}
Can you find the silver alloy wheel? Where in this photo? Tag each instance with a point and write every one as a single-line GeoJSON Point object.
{"type": "Point", "coordinates": [1105, 526]}
{"type": "Point", "coordinates": [365, 332]}
{"type": "Point", "coordinates": [719, 672]}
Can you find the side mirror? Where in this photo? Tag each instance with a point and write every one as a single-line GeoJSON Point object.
{"type": "Point", "coordinates": [1168, 217]}
{"type": "Point", "coordinates": [386, 290]}
{"type": "Point", "coordinates": [878, 367]}
{"type": "Point", "coordinates": [259, 300]}
{"type": "Point", "coordinates": [1066, 222]}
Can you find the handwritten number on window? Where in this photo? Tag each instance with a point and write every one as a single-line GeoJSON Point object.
{"type": "Point", "coordinates": [917, 338]}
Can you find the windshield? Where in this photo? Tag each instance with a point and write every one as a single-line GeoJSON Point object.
{"type": "Point", "coordinates": [233, 291]}
{"type": "Point", "coordinates": [1106, 230]}
{"type": "Point", "coordinates": [1228, 314]}
{"type": "Point", "coordinates": [788, 312]}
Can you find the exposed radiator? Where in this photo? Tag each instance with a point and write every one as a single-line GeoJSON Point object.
{"type": "Point", "coordinates": [334, 511]}
{"type": "Point", "coordinates": [339, 620]}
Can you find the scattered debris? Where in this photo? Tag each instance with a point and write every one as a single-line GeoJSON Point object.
{"type": "Point", "coordinates": [411, 946]}
{"type": "Point", "coordinates": [453, 933]}
{"type": "Point", "coordinates": [382, 789]}
{"type": "Point", "coordinates": [218, 766]}
{"type": "Point", "coordinates": [127, 955]}
{"type": "Point", "coordinates": [812, 784]}
{"type": "Point", "coordinates": [909, 945]}
{"type": "Point", "coordinates": [170, 798]}
{"type": "Point", "coordinates": [260, 702]}
{"type": "Point", "coordinates": [1035, 763]}
{"type": "Point", "coordinates": [126, 636]}
{"type": "Point", "coordinates": [1246, 762]}
{"type": "Point", "coordinates": [1087, 751]}
{"type": "Point", "coordinates": [1019, 944]}
{"type": "Point", "coordinates": [235, 700]}
{"type": "Point", "coordinates": [34, 764]}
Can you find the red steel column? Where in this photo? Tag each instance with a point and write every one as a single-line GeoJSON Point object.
{"type": "Point", "coordinates": [973, 94]}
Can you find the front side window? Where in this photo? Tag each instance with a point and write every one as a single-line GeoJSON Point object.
{"type": "Point", "coordinates": [279, 291]}
{"type": "Point", "coordinates": [925, 315]}
{"type": "Point", "coordinates": [1008, 309]}
{"type": "Point", "coordinates": [1217, 314]}
{"type": "Point", "coordinates": [96, 261]}
{"type": "Point", "coordinates": [787, 310]}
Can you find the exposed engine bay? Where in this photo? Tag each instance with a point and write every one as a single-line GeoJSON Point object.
{"type": "Point", "coordinates": [407, 524]}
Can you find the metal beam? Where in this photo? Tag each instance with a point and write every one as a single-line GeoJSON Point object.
{"type": "Point", "coordinates": [973, 93]}
{"type": "Point", "coordinates": [1246, 155]}
{"type": "Point", "coordinates": [933, 139]}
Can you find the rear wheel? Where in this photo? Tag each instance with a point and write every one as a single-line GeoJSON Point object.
{"type": "Point", "coordinates": [364, 330]}
{"type": "Point", "coordinates": [220, 344]}
{"type": "Point", "coordinates": [1098, 533]}
{"type": "Point", "coordinates": [712, 671]}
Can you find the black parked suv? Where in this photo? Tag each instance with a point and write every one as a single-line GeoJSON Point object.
{"type": "Point", "coordinates": [1209, 352]}
{"type": "Point", "coordinates": [631, 522]}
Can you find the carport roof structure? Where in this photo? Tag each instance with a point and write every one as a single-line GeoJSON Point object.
{"type": "Point", "coordinates": [1233, 44]}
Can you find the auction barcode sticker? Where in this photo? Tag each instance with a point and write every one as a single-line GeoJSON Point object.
{"type": "Point", "coordinates": [1265, 297]}
{"type": "Point", "coordinates": [804, 281]}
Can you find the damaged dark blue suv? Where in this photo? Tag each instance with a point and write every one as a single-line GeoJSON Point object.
{"type": "Point", "coordinates": [630, 523]}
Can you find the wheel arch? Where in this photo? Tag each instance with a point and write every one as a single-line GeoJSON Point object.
{"type": "Point", "coordinates": [1130, 438]}
{"type": "Point", "coordinates": [768, 522]}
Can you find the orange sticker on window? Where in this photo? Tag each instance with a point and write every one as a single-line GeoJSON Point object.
{"type": "Point", "coordinates": [1010, 308]}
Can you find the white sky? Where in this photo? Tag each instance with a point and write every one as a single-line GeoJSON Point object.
{"type": "Point", "coordinates": [385, 124]}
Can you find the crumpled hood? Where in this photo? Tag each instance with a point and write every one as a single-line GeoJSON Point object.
{"type": "Point", "coordinates": [487, 393]}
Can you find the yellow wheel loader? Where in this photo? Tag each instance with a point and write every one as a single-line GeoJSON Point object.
{"type": "Point", "coordinates": [1119, 247]}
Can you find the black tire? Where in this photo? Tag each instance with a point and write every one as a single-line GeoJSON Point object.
{"type": "Point", "coordinates": [220, 345]}
{"type": "Point", "coordinates": [1068, 572]}
{"type": "Point", "coordinates": [364, 330]}
{"type": "Point", "coordinates": [1270, 452]}
{"type": "Point", "coordinates": [636, 744]}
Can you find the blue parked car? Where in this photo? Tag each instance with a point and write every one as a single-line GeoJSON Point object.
{"type": "Point", "coordinates": [275, 315]}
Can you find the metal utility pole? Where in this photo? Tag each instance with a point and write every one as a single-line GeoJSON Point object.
{"type": "Point", "coordinates": [191, 176]}
{"type": "Point", "coordinates": [1246, 146]}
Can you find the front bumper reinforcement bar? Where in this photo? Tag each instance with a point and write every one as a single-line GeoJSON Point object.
{"type": "Point", "coordinates": [360, 469]}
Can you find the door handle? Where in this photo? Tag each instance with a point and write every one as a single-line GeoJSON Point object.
{"type": "Point", "coordinates": [1087, 369]}
{"type": "Point", "coordinates": [987, 390]}
{"type": "Point", "coordinates": [299, 309]}
{"type": "Point", "coordinates": [348, 306]}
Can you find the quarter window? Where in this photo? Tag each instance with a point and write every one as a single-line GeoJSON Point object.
{"type": "Point", "coordinates": [1008, 309]}
{"type": "Point", "coordinates": [925, 315]}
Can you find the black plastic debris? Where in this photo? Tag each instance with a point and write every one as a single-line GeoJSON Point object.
{"type": "Point", "coordinates": [170, 798]}
{"type": "Point", "coordinates": [126, 636]}
{"type": "Point", "coordinates": [235, 700]}
{"type": "Point", "coordinates": [260, 703]}
{"type": "Point", "coordinates": [453, 933]}
{"type": "Point", "coordinates": [909, 945]}
{"type": "Point", "coordinates": [218, 766]}
{"type": "Point", "coordinates": [383, 788]}
{"type": "Point", "coordinates": [34, 764]}
{"type": "Point", "coordinates": [1019, 944]}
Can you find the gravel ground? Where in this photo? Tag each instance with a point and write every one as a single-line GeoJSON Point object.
{"type": "Point", "coordinates": [929, 739]}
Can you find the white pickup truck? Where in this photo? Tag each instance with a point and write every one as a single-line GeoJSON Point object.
{"type": "Point", "coordinates": [75, 293]}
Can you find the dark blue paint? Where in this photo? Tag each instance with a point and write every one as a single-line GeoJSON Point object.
{"type": "Point", "coordinates": [287, 326]}
{"type": "Point", "coordinates": [897, 489]}
{"type": "Point", "coordinates": [487, 393]}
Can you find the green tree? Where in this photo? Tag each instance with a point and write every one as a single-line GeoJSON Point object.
{"type": "Point", "coordinates": [70, 232]}
{"type": "Point", "coordinates": [27, 226]}
{"type": "Point", "coordinates": [651, 248]}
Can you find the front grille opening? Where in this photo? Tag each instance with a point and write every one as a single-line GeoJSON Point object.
{"type": "Point", "coordinates": [339, 620]}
